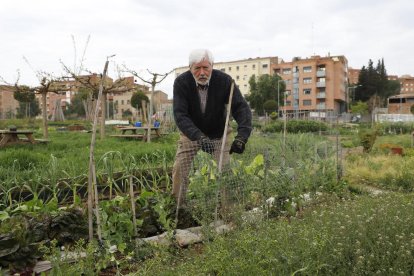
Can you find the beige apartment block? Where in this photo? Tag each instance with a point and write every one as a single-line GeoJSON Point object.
{"type": "Point", "coordinates": [8, 105]}
{"type": "Point", "coordinates": [314, 85]}
{"type": "Point", "coordinates": [241, 70]}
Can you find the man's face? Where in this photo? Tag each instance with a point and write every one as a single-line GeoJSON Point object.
{"type": "Point", "coordinates": [202, 71]}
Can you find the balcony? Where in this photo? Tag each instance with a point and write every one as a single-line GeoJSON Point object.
{"type": "Point", "coordinates": [320, 84]}
{"type": "Point", "coordinates": [321, 106]}
{"type": "Point", "coordinates": [321, 95]}
{"type": "Point", "coordinates": [321, 73]}
{"type": "Point", "coordinates": [296, 96]}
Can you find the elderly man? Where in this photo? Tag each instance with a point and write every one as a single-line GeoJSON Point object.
{"type": "Point", "coordinates": [199, 104]}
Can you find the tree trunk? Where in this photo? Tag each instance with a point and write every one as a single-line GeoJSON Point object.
{"type": "Point", "coordinates": [44, 116]}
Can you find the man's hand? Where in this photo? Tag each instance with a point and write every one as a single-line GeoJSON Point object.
{"type": "Point", "coordinates": [238, 145]}
{"type": "Point", "coordinates": [206, 144]}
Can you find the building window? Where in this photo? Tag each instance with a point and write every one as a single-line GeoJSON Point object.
{"type": "Point", "coordinates": [307, 80]}
{"type": "Point", "coordinates": [237, 68]}
{"type": "Point", "coordinates": [307, 91]}
{"type": "Point", "coordinates": [223, 69]}
{"type": "Point", "coordinates": [264, 66]}
{"type": "Point", "coordinates": [244, 77]}
{"type": "Point", "coordinates": [128, 102]}
{"type": "Point", "coordinates": [229, 68]}
{"type": "Point", "coordinates": [237, 77]}
{"type": "Point", "coordinates": [307, 102]}
{"type": "Point", "coordinates": [122, 101]}
{"type": "Point", "coordinates": [254, 66]}
{"type": "Point", "coordinates": [288, 103]}
{"type": "Point", "coordinates": [307, 69]}
{"type": "Point", "coordinates": [288, 82]}
{"type": "Point", "coordinates": [245, 67]}
{"type": "Point", "coordinates": [286, 71]}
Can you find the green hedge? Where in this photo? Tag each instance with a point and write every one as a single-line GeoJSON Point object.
{"type": "Point", "coordinates": [396, 128]}
{"type": "Point", "coordinates": [296, 126]}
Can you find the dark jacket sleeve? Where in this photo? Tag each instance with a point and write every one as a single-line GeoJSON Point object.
{"type": "Point", "coordinates": [182, 118]}
{"type": "Point", "coordinates": [241, 112]}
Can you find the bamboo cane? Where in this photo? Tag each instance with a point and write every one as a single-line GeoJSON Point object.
{"type": "Point", "coordinates": [223, 144]}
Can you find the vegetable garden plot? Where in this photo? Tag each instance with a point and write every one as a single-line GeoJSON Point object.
{"type": "Point", "coordinates": [269, 178]}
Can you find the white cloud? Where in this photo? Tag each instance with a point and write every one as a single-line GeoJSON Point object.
{"type": "Point", "coordinates": [158, 34]}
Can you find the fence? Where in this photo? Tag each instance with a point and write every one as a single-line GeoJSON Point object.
{"type": "Point", "coordinates": [272, 177]}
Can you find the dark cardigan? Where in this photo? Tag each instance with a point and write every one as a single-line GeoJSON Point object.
{"type": "Point", "coordinates": [187, 110]}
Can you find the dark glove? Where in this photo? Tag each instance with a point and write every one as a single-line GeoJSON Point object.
{"type": "Point", "coordinates": [206, 144]}
{"type": "Point", "coordinates": [238, 145]}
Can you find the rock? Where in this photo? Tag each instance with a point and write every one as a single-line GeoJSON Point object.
{"type": "Point", "coordinates": [185, 237]}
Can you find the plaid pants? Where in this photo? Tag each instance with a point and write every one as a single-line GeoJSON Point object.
{"type": "Point", "coordinates": [184, 157]}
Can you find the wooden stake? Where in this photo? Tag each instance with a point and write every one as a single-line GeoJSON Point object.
{"type": "Point", "coordinates": [92, 189]}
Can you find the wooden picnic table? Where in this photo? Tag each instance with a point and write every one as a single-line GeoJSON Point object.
{"type": "Point", "coordinates": [8, 137]}
{"type": "Point", "coordinates": [138, 132]}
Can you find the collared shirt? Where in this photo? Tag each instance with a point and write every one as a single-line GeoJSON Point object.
{"type": "Point", "coordinates": [203, 94]}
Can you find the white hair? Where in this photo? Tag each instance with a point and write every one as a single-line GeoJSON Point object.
{"type": "Point", "coordinates": [200, 55]}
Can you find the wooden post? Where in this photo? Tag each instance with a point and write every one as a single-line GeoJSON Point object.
{"type": "Point", "coordinates": [103, 112]}
{"type": "Point", "coordinates": [44, 115]}
{"type": "Point", "coordinates": [92, 189]}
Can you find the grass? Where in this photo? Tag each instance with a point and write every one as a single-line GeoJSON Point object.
{"type": "Point", "coordinates": [365, 236]}
{"type": "Point", "coordinates": [385, 171]}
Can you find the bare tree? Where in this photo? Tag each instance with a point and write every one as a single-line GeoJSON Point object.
{"type": "Point", "coordinates": [48, 84]}
{"type": "Point", "coordinates": [93, 82]}
{"type": "Point", "coordinates": [153, 82]}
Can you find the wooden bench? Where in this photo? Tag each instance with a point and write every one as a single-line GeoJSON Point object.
{"type": "Point", "coordinates": [137, 136]}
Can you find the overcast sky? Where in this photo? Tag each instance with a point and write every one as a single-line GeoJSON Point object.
{"type": "Point", "coordinates": [158, 34]}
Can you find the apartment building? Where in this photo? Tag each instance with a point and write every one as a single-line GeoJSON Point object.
{"type": "Point", "coordinates": [406, 84]}
{"type": "Point", "coordinates": [314, 85]}
{"type": "Point", "coordinates": [400, 104]}
{"type": "Point", "coordinates": [8, 105]}
{"type": "Point", "coordinates": [242, 70]}
{"type": "Point", "coordinates": [353, 75]}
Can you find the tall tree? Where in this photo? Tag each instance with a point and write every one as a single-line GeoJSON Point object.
{"type": "Point", "coordinates": [48, 84]}
{"type": "Point", "coordinates": [137, 98]}
{"type": "Point", "coordinates": [374, 86]}
{"type": "Point", "coordinates": [265, 88]}
{"type": "Point", "coordinates": [28, 105]}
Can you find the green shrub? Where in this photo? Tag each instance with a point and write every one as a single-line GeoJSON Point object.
{"type": "Point", "coordinates": [296, 126]}
{"type": "Point", "coordinates": [367, 138]}
{"type": "Point", "coordinates": [270, 106]}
